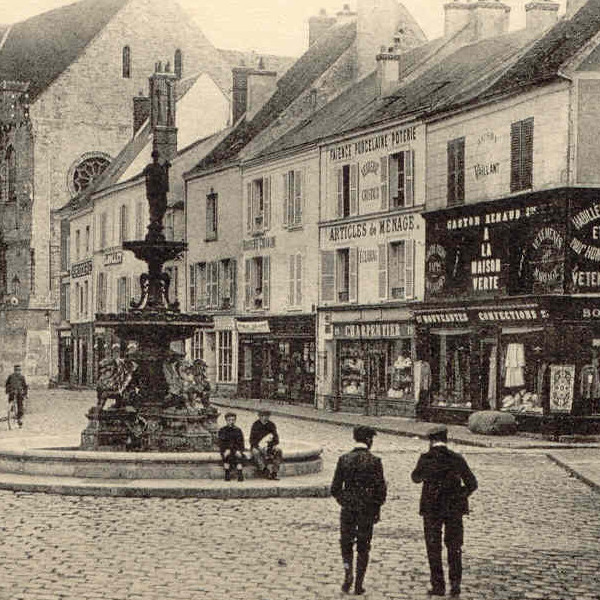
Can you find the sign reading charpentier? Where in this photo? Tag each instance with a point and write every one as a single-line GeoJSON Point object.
{"type": "Point", "coordinates": [374, 143]}
{"type": "Point", "coordinates": [372, 330]}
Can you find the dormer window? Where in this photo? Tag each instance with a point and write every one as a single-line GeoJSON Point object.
{"type": "Point", "coordinates": [126, 62]}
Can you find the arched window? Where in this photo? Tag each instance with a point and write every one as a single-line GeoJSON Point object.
{"type": "Point", "coordinates": [126, 62]}
{"type": "Point", "coordinates": [11, 167]}
{"type": "Point", "coordinates": [178, 63]}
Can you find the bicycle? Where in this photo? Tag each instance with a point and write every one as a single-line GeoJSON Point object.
{"type": "Point", "coordinates": [11, 415]}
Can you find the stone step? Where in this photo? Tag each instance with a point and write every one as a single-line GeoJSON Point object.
{"type": "Point", "coordinates": [308, 486]}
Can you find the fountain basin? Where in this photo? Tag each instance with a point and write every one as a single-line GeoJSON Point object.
{"type": "Point", "coordinates": [40, 459]}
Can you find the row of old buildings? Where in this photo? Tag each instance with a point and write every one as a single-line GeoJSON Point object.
{"type": "Point", "coordinates": [391, 225]}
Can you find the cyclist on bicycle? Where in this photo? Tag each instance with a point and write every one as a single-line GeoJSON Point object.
{"type": "Point", "coordinates": [16, 390]}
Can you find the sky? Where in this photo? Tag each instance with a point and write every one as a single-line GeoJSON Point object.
{"type": "Point", "coordinates": [266, 26]}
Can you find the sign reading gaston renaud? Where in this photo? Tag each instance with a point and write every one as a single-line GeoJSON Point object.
{"type": "Point", "coordinates": [380, 141]}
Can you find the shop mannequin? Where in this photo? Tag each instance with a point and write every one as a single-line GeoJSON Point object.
{"type": "Point", "coordinates": [589, 386]}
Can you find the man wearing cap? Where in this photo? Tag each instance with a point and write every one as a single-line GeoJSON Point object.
{"type": "Point", "coordinates": [16, 390]}
{"type": "Point", "coordinates": [359, 488]}
{"type": "Point", "coordinates": [447, 484]}
{"type": "Point", "coordinates": [231, 447]}
{"type": "Point", "coordinates": [264, 445]}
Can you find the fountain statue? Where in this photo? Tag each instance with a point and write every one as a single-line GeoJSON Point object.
{"type": "Point", "coordinates": [153, 399]}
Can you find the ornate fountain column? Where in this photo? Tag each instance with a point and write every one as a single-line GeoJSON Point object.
{"type": "Point", "coordinates": [159, 400]}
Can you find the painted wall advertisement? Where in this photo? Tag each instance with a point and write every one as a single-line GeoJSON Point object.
{"type": "Point", "coordinates": [498, 249]}
{"type": "Point", "coordinates": [584, 246]}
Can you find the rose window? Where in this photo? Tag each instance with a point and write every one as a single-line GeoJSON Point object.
{"type": "Point", "coordinates": [87, 170]}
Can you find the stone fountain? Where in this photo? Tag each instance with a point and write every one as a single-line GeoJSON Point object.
{"type": "Point", "coordinates": [160, 400]}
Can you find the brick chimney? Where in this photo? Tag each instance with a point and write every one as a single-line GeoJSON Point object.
{"type": "Point", "coordinates": [318, 26]}
{"type": "Point", "coordinates": [457, 15]}
{"type": "Point", "coordinates": [486, 18]}
{"type": "Point", "coordinates": [162, 112]}
{"type": "Point", "coordinates": [490, 18]}
{"type": "Point", "coordinates": [251, 89]}
{"type": "Point", "coordinates": [377, 23]}
{"type": "Point", "coordinates": [141, 111]}
{"type": "Point", "coordinates": [345, 15]}
{"type": "Point", "coordinates": [541, 14]}
{"type": "Point", "coordinates": [388, 70]}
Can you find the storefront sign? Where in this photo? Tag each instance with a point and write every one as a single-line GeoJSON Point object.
{"type": "Point", "coordinates": [485, 269]}
{"type": "Point", "coordinates": [113, 258]}
{"type": "Point", "coordinates": [491, 315]}
{"type": "Point", "coordinates": [81, 269]}
{"type": "Point", "coordinates": [249, 327]}
{"type": "Point", "coordinates": [585, 243]}
{"type": "Point", "coordinates": [371, 330]}
{"type": "Point", "coordinates": [382, 141]}
{"type": "Point", "coordinates": [224, 323]}
{"type": "Point", "coordinates": [363, 229]}
{"type": "Point", "coordinates": [259, 243]}
{"type": "Point", "coordinates": [547, 264]}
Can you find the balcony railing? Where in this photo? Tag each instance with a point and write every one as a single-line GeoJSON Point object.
{"type": "Point", "coordinates": [398, 293]}
{"type": "Point", "coordinates": [343, 296]}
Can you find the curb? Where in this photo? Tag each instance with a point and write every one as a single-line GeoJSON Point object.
{"type": "Point", "coordinates": [542, 445]}
{"type": "Point", "coordinates": [573, 473]}
{"type": "Point", "coordinates": [180, 489]}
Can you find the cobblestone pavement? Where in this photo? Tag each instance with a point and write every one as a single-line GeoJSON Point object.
{"type": "Point", "coordinates": [533, 533]}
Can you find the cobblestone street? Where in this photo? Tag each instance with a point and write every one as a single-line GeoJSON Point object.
{"type": "Point", "coordinates": [533, 532]}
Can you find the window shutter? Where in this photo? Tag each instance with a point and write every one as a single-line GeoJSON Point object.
{"type": "Point", "coordinates": [328, 276]}
{"type": "Point", "coordinates": [385, 196]}
{"type": "Point", "coordinates": [298, 205]}
{"type": "Point", "coordinates": [192, 287]}
{"type": "Point", "coordinates": [383, 271]}
{"type": "Point", "coordinates": [340, 191]}
{"type": "Point", "coordinates": [201, 284]}
{"type": "Point", "coordinates": [409, 178]}
{"type": "Point", "coordinates": [249, 227]}
{"type": "Point", "coordinates": [298, 279]}
{"type": "Point", "coordinates": [353, 268]}
{"type": "Point", "coordinates": [127, 292]}
{"type": "Point", "coordinates": [409, 269]}
{"type": "Point", "coordinates": [232, 282]}
{"type": "Point", "coordinates": [267, 203]}
{"type": "Point", "coordinates": [460, 171]}
{"type": "Point", "coordinates": [527, 154]}
{"type": "Point", "coordinates": [222, 277]}
{"type": "Point", "coordinates": [451, 159]}
{"type": "Point", "coordinates": [266, 288]}
{"type": "Point", "coordinates": [248, 284]}
{"type": "Point", "coordinates": [286, 198]}
{"type": "Point", "coordinates": [354, 189]}
{"type": "Point", "coordinates": [292, 280]}
{"type": "Point", "coordinates": [515, 156]}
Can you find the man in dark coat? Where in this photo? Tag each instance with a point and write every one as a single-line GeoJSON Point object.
{"type": "Point", "coordinates": [264, 445]}
{"type": "Point", "coordinates": [16, 390]}
{"type": "Point", "coordinates": [360, 489]}
{"type": "Point", "coordinates": [447, 484]}
{"type": "Point", "coordinates": [231, 447]}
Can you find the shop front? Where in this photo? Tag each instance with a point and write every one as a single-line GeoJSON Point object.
{"type": "Point", "coordinates": [277, 358]}
{"type": "Point", "coordinates": [374, 371]}
{"type": "Point", "coordinates": [510, 321]}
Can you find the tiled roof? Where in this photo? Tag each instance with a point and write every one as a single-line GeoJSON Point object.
{"type": "Point", "coordinates": [313, 63]}
{"type": "Point", "coordinates": [459, 78]}
{"type": "Point", "coordinates": [62, 34]}
{"type": "Point", "coordinates": [560, 44]}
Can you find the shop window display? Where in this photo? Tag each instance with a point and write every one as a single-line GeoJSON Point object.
{"type": "Point", "coordinates": [523, 373]}
{"type": "Point", "coordinates": [451, 375]}
{"type": "Point", "coordinates": [352, 379]}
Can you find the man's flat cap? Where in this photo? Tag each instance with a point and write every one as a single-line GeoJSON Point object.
{"type": "Point", "coordinates": [263, 412]}
{"type": "Point", "coordinates": [363, 433]}
{"type": "Point", "coordinates": [438, 432]}
{"type": "Point", "coordinates": [230, 414]}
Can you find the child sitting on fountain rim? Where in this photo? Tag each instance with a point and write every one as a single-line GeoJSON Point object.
{"type": "Point", "coordinates": [231, 447]}
{"type": "Point", "coordinates": [264, 445]}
